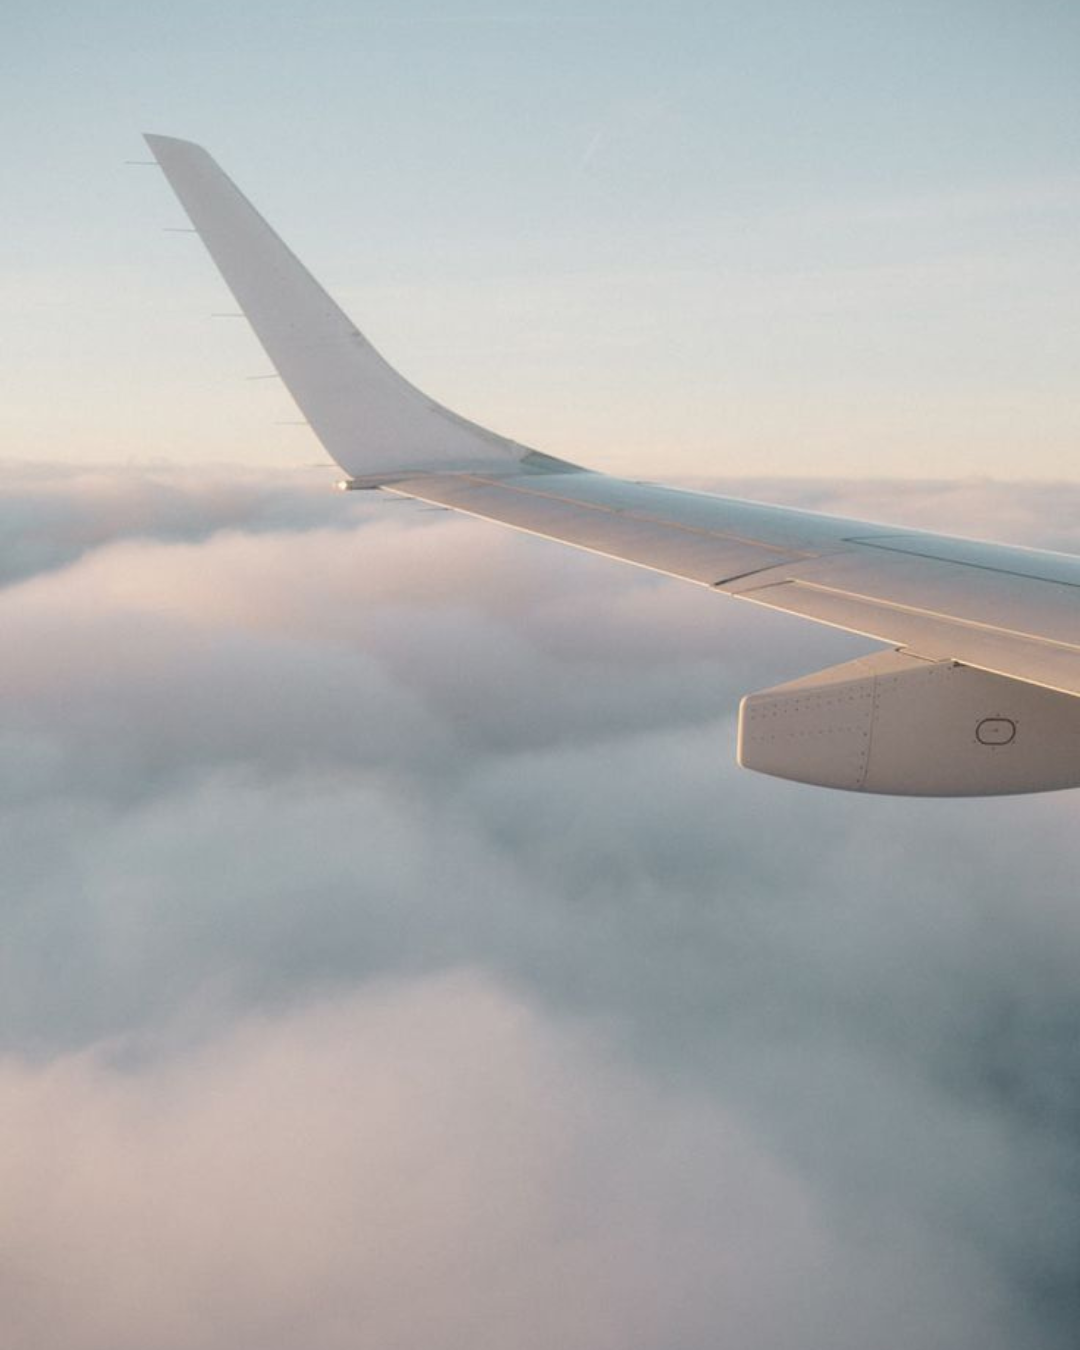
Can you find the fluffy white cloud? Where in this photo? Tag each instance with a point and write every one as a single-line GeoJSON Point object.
{"type": "Point", "coordinates": [263, 746]}
{"type": "Point", "coordinates": [431, 1165]}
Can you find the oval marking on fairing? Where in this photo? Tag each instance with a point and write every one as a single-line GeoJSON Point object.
{"type": "Point", "coordinates": [996, 731]}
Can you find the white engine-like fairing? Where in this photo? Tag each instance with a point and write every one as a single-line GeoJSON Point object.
{"type": "Point", "coordinates": [894, 723]}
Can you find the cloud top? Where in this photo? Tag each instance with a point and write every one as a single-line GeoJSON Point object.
{"type": "Point", "coordinates": [393, 953]}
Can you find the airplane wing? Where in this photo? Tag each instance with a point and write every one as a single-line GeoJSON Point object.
{"type": "Point", "coordinates": [979, 692]}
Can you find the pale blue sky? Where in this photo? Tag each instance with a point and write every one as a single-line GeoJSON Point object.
{"type": "Point", "coordinates": [773, 237]}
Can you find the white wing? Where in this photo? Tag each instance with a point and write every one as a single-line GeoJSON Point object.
{"type": "Point", "coordinates": [981, 698]}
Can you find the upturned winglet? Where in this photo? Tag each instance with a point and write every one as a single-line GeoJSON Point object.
{"type": "Point", "coordinates": [372, 421]}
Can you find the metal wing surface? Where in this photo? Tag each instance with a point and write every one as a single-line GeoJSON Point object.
{"type": "Point", "coordinates": [1008, 618]}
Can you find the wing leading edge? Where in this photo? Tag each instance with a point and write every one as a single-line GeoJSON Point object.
{"type": "Point", "coordinates": [1008, 616]}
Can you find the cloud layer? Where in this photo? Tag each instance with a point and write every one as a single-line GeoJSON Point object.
{"type": "Point", "coordinates": [431, 1164]}
{"type": "Point", "coordinates": [393, 953]}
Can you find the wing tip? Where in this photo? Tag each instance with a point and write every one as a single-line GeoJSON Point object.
{"type": "Point", "coordinates": [170, 144]}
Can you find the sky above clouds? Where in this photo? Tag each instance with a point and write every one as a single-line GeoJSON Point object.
{"type": "Point", "coordinates": [829, 238]}
{"type": "Point", "coordinates": [393, 953]}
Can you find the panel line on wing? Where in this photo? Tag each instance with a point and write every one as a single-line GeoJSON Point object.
{"type": "Point", "coordinates": [869, 541]}
{"type": "Point", "coordinates": [630, 514]}
{"type": "Point", "coordinates": [939, 615]}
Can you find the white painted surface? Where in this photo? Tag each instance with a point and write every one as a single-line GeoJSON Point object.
{"type": "Point", "coordinates": [894, 724]}
{"type": "Point", "coordinates": [1011, 616]}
